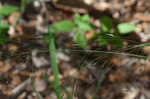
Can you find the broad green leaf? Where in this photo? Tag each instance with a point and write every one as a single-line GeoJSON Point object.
{"type": "Point", "coordinates": [85, 18]}
{"type": "Point", "coordinates": [106, 23]}
{"type": "Point", "coordinates": [80, 39]}
{"type": "Point", "coordinates": [125, 28]}
{"type": "Point", "coordinates": [77, 18]}
{"type": "Point", "coordinates": [64, 26]}
{"type": "Point", "coordinates": [52, 29]}
{"type": "Point", "coordinates": [84, 26]}
{"type": "Point", "coordinates": [8, 9]}
{"type": "Point", "coordinates": [82, 22]}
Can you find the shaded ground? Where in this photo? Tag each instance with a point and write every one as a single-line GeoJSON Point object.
{"type": "Point", "coordinates": [25, 59]}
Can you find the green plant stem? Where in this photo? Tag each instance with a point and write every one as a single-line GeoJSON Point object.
{"type": "Point", "coordinates": [36, 92]}
{"type": "Point", "coordinates": [54, 67]}
{"type": "Point", "coordinates": [100, 81]}
{"type": "Point", "coordinates": [67, 93]}
{"type": "Point", "coordinates": [138, 46]}
{"type": "Point", "coordinates": [110, 52]}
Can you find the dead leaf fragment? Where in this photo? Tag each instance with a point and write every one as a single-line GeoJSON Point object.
{"type": "Point", "coordinates": [13, 17]}
{"type": "Point", "coordinates": [90, 34]}
{"type": "Point", "coordinates": [40, 85]}
{"type": "Point", "coordinates": [12, 48]}
{"type": "Point", "coordinates": [142, 17]}
{"type": "Point", "coordinates": [117, 76]}
{"type": "Point", "coordinates": [15, 80]}
{"type": "Point", "coordinates": [146, 50]}
{"type": "Point", "coordinates": [5, 66]}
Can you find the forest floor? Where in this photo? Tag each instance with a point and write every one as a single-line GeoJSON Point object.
{"type": "Point", "coordinates": [24, 60]}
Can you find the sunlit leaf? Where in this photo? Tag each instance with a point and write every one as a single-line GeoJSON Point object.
{"type": "Point", "coordinates": [80, 39]}
{"type": "Point", "coordinates": [125, 28]}
{"type": "Point", "coordinates": [85, 18]}
{"type": "Point", "coordinates": [64, 26]}
{"type": "Point", "coordinates": [77, 18]}
{"type": "Point", "coordinates": [84, 26]}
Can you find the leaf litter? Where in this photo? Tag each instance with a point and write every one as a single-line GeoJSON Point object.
{"type": "Point", "coordinates": [128, 77]}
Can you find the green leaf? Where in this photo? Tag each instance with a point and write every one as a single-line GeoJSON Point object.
{"type": "Point", "coordinates": [52, 29]}
{"type": "Point", "coordinates": [3, 38]}
{"type": "Point", "coordinates": [46, 38]}
{"type": "Point", "coordinates": [82, 22]}
{"type": "Point", "coordinates": [104, 39]}
{"type": "Point", "coordinates": [64, 26]}
{"type": "Point", "coordinates": [77, 18]}
{"type": "Point", "coordinates": [54, 66]}
{"type": "Point", "coordinates": [117, 41]}
{"type": "Point", "coordinates": [85, 18]}
{"type": "Point", "coordinates": [84, 26]}
{"type": "Point", "coordinates": [51, 34]}
{"type": "Point", "coordinates": [8, 9]}
{"type": "Point", "coordinates": [4, 27]}
{"type": "Point", "coordinates": [3, 30]}
{"type": "Point", "coordinates": [80, 39]}
{"type": "Point", "coordinates": [106, 23]}
{"type": "Point", "coordinates": [125, 28]}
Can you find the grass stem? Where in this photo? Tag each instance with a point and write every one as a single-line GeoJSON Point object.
{"type": "Point", "coordinates": [54, 67]}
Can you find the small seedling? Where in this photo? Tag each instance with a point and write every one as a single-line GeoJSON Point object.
{"type": "Point", "coordinates": [80, 25]}
{"type": "Point", "coordinates": [109, 34]}
{"type": "Point", "coordinates": [55, 70]}
{"type": "Point", "coordinates": [63, 26]}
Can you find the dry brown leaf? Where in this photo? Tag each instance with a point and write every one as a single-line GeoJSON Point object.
{"type": "Point", "coordinates": [115, 60]}
{"type": "Point", "coordinates": [146, 50]}
{"type": "Point", "coordinates": [15, 79]}
{"type": "Point", "coordinates": [117, 76]}
{"type": "Point", "coordinates": [13, 17]}
{"type": "Point", "coordinates": [40, 85]}
{"type": "Point", "coordinates": [22, 96]}
{"type": "Point", "coordinates": [142, 17]}
{"type": "Point", "coordinates": [89, 34]}
{"type": "Point", "coordinates": [51, 78]}
{"type": "Point", "coordinates": [5, 67]}
{"type": "Point", "coordinates": [84, 74]}
{"type": "Point", "coordinates": [13, 48]}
